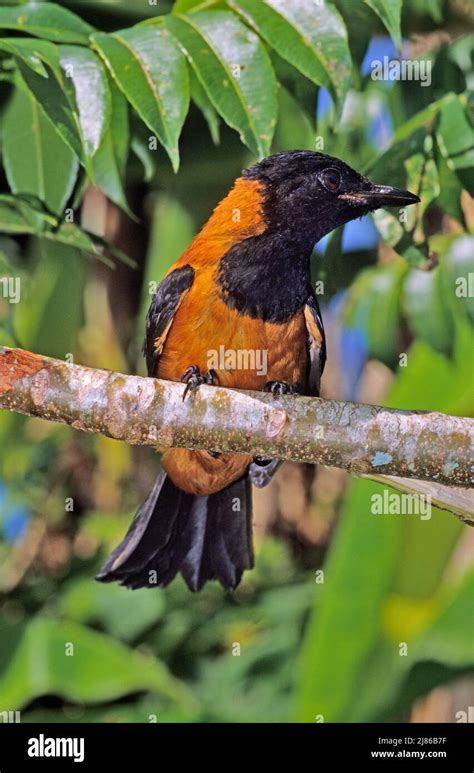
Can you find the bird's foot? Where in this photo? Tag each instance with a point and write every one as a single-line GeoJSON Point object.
{"type": "Point", "coordinates": [278, 388]}
{"type": "Point", "coordinates": [193, 378]}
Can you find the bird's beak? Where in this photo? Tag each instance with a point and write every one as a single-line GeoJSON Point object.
{"type": "Point", "coordinates": [381, 196]}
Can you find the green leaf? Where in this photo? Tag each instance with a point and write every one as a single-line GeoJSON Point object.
{"type": "Point", "coordinates": [107, 176]}
{"type": "Point", "coordinates": [455, 136]}
{"type": "Point", "coordinates": [202, 101]}
{"type": "Point", "coordinates": [181, 6]}
{"type": "Point", "coordinates": [294, 129]}
{"type": "Point", "coordinates": [151, 71]}
{"type": "Point", "coordinates": [127, 711]}
{"type": "Point", "coordinates": [89, 243]}
{"type": "Point", "coordinates": [12, 221]}
{"type": "Point", "coordinates": [34, 53]}
{"type": "Point", "coordinates": [470, 106]}
{"type": "Point", "coordinates": [9, 251]}
{"type": "Point", "coordinates": [18, 216]}
{"type": "Point", "coordinates": [235, 71]}
{"type": "Point", "coordinates": [361, 27]}
{"type": "Point", "coordinates": [423, 306]}
{"type": "Point", "coordinates": [326, 682]}
{"type": "Point", "coordinates": [443, 653]}
{"type": "Point", "coordinates": [172, 230]}
{"type": "Point", "coordinates": [386, 547]}
{"type": "Point", "coordinates": [54, 292]}
{"type": "Point", "coordinates": [458, 276]}
{"type": "Point", "coordinates": [76, 102]}
{"type": "Point", "coordinates": [120, 127]}
{"type": "Point", "coordinates": [58, 106]}
{"type": "Point", "coordinates": [422, 176]}
{"type": "Point", "coordinates": [389, 11]}
{"type": "Point", "coordinates": [409, 163]}
{"type": "Point", "coordinates": [90, 602]}
{"type": "Point", "coordinates": [449, 380]}
{"type": "Point", "coordinates": [110, 160]}
{"type": "Point", "coordinates": [312, 39]}
{"type": "Point", "coordinates": [26, 50]}
{"type": "Point", "coordinates": [23, 215]}
{"type": "Point", "coordinates": [303, 91]}
{"type": "Point", "coordinates": [46, 20]}
{"type": "Point", "coordinates": [433, 9]}
{"type": "Point", "coordinates": [373, 296]}
{"type": "Point", "coordinates": [395, 682]}
{"type": "Point", "coordinates": [450, 640]}
{"type": "Point", "coordinates": [32, 150]}
{"type": "Point", "coordinates": [97, 668]}
{"type": "Point", "coordinates": [450, 191]}
{"type": "Point", "coordinates": [139, 146]}
{"type": "Point", "coordinates": [91, 92]}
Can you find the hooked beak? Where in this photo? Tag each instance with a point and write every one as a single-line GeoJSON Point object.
{"type": "Point", "coordinates": [381, 196]}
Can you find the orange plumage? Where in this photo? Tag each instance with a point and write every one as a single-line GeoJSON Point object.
{"type": "Point", "coordinates": [243, 286]}
{"type": "Point", "coordinates": [203, 323]}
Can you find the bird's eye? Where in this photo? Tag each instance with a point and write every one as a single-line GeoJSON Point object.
{"type": "Point", "coordinates": [331, 179]}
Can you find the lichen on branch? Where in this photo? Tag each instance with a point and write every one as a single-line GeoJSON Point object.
{"type": "Point", "coordinates": [363, 439]}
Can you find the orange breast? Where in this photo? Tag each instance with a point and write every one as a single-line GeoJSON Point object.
{"type": "Point", "coordinates": [244, 352]}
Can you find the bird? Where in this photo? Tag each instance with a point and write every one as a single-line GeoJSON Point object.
{"type": "Point", "coordinates": [243, 284]}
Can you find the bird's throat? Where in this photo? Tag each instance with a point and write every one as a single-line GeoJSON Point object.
{"type": "Point", "coordinates": [266, 277]}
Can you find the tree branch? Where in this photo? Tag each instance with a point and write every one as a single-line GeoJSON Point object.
{"type": "Point", "coordinates": [143, 411]}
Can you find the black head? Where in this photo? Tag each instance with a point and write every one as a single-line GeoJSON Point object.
{"type": "Point", "coordinates": [307, 194]}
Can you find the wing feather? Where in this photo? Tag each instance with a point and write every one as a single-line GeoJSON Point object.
{"type": "Point", "coordinates": [166, 301]}
{"type": "Point", "coordinates": [316, 345]}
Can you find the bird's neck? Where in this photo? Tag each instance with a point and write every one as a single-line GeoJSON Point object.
{"type": "Point", "coordinates": [266, 276]}
{"type": "Point", "coordinates": [263, 270]}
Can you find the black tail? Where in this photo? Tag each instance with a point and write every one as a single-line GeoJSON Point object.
{"type": "Point", "coordinates": [204, 537]}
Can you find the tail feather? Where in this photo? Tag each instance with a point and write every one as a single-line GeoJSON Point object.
{"type": "Point", "coordinates": [204, 537]}
{"type": "Point", "coordinates": [222, 547]}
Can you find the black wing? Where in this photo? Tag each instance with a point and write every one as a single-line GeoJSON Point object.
{"type": "Point", "coordinates": [164, 305]}
{"type": "Point", "coordinates": [316, 345]}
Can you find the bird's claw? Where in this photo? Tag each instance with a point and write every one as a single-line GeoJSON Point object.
{"type": "Point", "coordinates": [278, 388]}
{"type": "Point", "coordinates": [193, 378]}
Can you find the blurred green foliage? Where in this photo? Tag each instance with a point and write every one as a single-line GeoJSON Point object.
{"type": "Point", "coordinates": [115, 96]}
